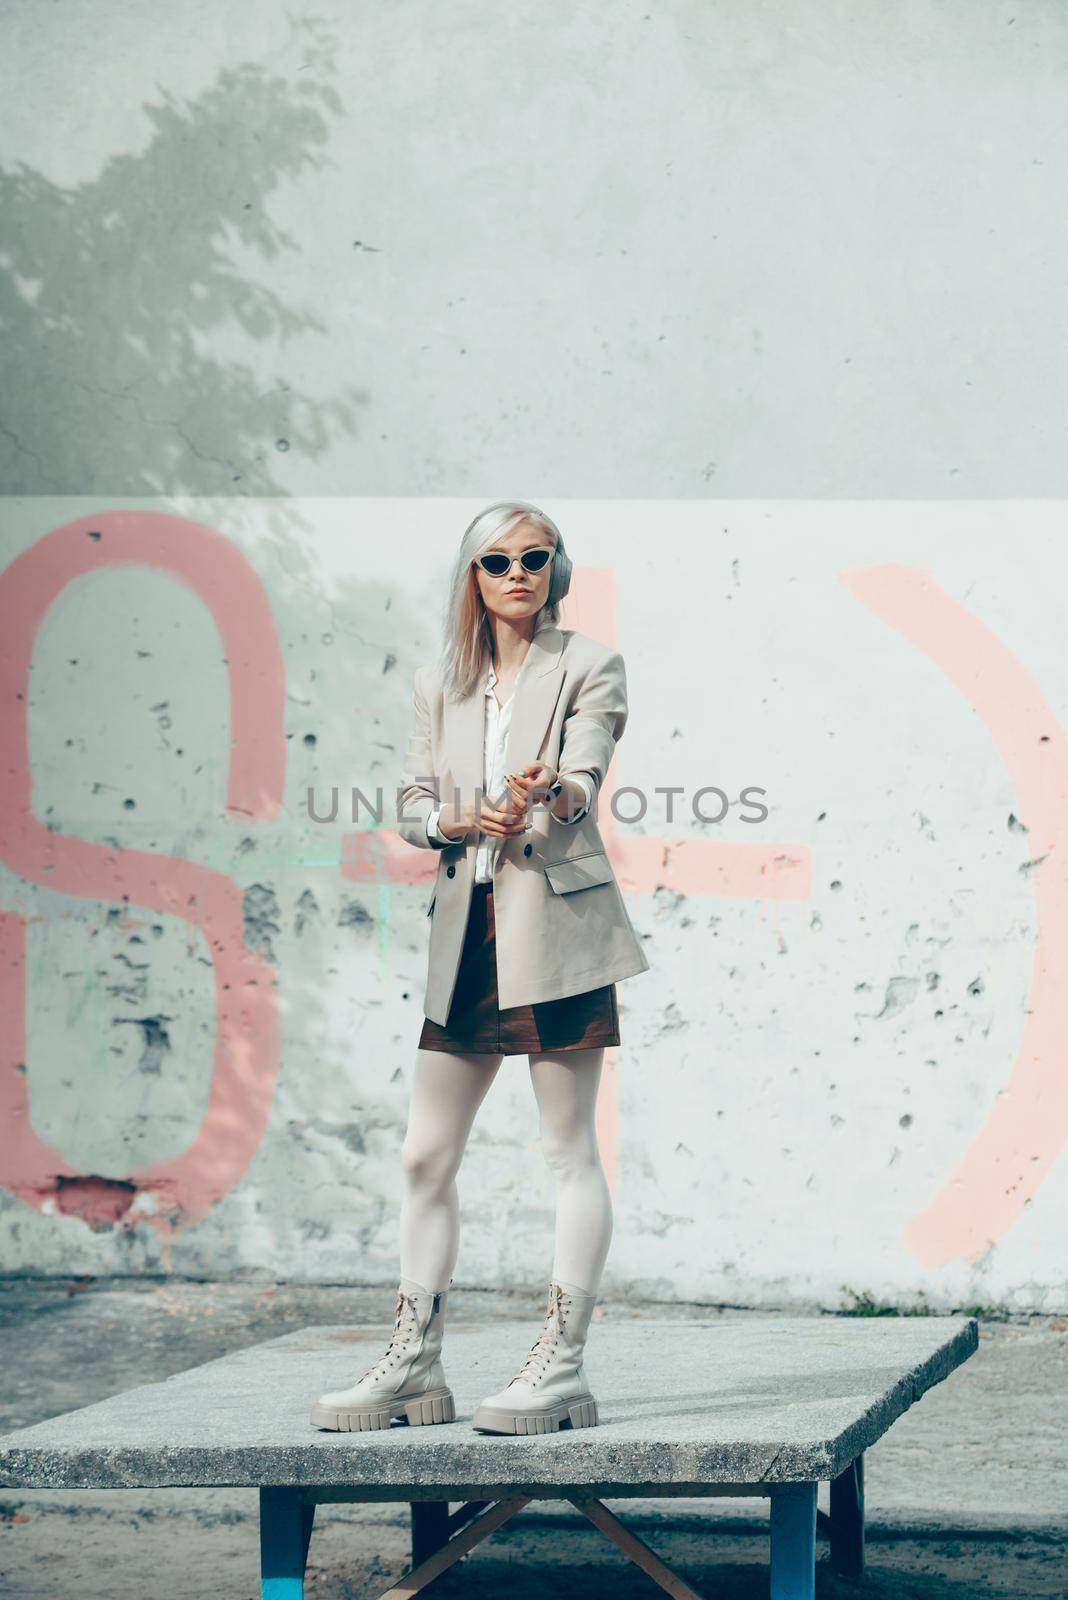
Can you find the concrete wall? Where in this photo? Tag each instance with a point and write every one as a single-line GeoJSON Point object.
{"type": "Point", "coordinates": [766, 305]}
{"type": "Point", "coordinates": [698, 248]}
{"type": "Point", "coordinates": [844, 1071]}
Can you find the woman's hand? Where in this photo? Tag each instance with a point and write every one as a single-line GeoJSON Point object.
{"type": "Point", "coordinates": [499, 822]}
{"type": "Point", "coordinates": [532, 784]}
{"type": "Point", "coordinates": [457, 821]}
{"type": "Point", "coordinates": [504, 821]}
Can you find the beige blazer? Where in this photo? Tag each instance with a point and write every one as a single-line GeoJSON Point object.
{"type": "Point", "coordinates": [561, 923]}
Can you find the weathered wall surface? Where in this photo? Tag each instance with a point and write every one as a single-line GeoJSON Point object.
{"type": "Point", "coordinates": [766, 305]}
{"type": "Point", "coordinates": [701, 248]}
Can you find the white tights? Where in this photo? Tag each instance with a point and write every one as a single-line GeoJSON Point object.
{"type": "Point", "coordinates": [446, 1093]}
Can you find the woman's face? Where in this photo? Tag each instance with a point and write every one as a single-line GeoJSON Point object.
{"type": "Point", "coordinates": [518, 593]}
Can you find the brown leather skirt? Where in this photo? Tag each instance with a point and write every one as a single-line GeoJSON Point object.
{"type": "Point", "coordinates": [476, 1024]}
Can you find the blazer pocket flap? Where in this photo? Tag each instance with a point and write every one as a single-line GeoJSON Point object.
{"type": "Point", "coordinates": [581, 872]}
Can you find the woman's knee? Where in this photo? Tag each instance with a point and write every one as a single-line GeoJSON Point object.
{"type": "Point", "coordinates": [429, 1165]}
{"type": "Point", "coordinates": [568, 1151]}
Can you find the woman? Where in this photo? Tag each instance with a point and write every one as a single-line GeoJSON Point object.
{"type": "Point", "coordinates": [514, 732]}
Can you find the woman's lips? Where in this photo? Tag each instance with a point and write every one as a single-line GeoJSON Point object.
{"type": "Point", "coordinates": [517, 591]}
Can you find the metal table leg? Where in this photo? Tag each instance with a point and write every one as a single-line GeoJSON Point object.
{"type": "Point", "coordinates": [430, 1528]}
{"type": "Point", "coordinates": [285, 1534]}
{"type": "Point", "coordinates": [847, 1521]}
{"type": "Point", "coordinates": [793, 1541]}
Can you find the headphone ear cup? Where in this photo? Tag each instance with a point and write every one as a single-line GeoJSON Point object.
{"type": "Point", "coordinates": [560, 582]}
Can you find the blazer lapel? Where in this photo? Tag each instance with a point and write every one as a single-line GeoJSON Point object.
{"type": "Point", "coordinates": [534, 698]}
{"type": "Point", "coordinates": [536, 693]}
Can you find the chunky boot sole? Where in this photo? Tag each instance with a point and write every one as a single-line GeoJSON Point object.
{"type": "Point", "coordinates": [581, 1413]}
{"type": "Point", "coordinates": [436, 1405]}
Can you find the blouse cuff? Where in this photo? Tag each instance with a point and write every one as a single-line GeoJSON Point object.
{"type": "Point", "coordinates": [433, 832]}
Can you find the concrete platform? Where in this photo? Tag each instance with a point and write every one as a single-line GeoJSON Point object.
{"type": "Point", "coordinates": [765, 1407]}
{"type": "Point", "coordinates": [760, 1401]}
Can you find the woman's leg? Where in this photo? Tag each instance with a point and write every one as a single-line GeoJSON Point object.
{"type": "Point", "coordinates": [565, 1085]}
{"type": "Point", "coordinates": [447, 1090]}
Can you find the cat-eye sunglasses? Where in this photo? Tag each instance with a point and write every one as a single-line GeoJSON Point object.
{"type": "Point", "coordinates": [496, 563]}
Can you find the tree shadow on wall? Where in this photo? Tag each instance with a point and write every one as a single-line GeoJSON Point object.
{"type": "Point", "coordinates": [117, 294]}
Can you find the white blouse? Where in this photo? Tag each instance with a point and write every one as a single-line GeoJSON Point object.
{"type": "Point", "coordinates": [498, 721]}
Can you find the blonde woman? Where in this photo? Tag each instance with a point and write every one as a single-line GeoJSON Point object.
{"type": "Point", "coordinates": [515, 727]}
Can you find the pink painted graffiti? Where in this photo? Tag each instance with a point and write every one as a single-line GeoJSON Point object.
{"type": "Point", "coordinates": [177, 1192]}
{"type": "Point", "coordinates": [1006, 1162]}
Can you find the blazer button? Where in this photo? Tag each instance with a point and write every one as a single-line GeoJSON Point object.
{"type": "Point", "coordinates": [450, 872]}
{"type": "Point", "coordinates": [527, 848]}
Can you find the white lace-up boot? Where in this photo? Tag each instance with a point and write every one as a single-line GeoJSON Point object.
{"type": "Point", "coordinates": [409, 1379]}
{"type": "Point", "coordinates": [550, 1388]}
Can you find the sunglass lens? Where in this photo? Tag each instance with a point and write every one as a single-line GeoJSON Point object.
{"type": "Point", "coordinates": [495, 565]}
{"type": "Point", "coordinates": [534, 560]}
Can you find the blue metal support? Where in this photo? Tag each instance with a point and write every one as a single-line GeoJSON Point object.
{"type": "Point", "coordinates": [430, 1528]}
{"type": "Point", "coordinates": [285, 1534]}
{"type": "Point", "coordinates": [793, 1541]}
{"type": "Point", "coordinates": [847, 1521]}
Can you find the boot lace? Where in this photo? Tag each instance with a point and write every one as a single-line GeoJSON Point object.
{"type": "Point", "coordinates": [404, 1321]}
{"type": "Point", "coordinates": [542, 1349]}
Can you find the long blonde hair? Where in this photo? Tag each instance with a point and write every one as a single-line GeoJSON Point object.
{"type": "Point", "coordinates": [467, 647]}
